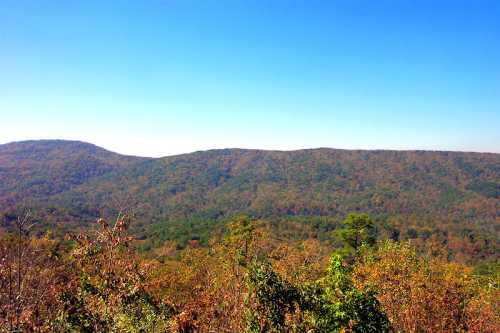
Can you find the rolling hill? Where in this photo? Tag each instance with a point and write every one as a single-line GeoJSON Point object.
{"type": "Point", "coordinates": [70, 183]}
{"type": "Point", "coordinates": [33, 170]}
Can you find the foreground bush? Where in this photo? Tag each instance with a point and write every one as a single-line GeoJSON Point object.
{"type": "Point", "coordinates": [425, 294]}
{"type": "Point", "coordinates": [32, 275]}
{"type": "Point", "coordinates": [246, 281]}
{"type": "Point", "coordinates": [107, 293]}
{"type": "Point", "coordinates": [331, 304]}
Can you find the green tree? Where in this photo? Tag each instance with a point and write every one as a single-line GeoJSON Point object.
{"type": "Point", "coordinates": [338, 306]}
{"type": "Point", "coordinates": [332, 304]}
{"type": "Point", "coordinates": [273, 299]}
{"type": "Point", "coordinates": [357, 229]}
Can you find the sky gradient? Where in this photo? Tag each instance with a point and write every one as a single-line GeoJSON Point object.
{"type": "Point", "coordinates": [157, 78]}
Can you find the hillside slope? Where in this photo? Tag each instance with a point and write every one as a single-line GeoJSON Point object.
{"type": "Point", "coordinates": [71, 183]}
{"type": "Point", "coordinates": [308, 182]}
{"type": "Point", "coordinates": [36, 170]}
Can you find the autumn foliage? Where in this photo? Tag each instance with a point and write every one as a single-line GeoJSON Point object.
{"type": "Point", "coordinates": [426, 294]}
{"type": "Point", "coordinates": [247, 280]}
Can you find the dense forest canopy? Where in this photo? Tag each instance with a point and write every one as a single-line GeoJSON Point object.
{"type": "Point", "coordinates": [447, 197]}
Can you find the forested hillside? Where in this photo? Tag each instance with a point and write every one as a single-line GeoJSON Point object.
{"type": "Point", "coordinates": [32, 170]}
{"type": "Point", "coordinates": [453, 196]}
{"type": "Point", "coordinates": [248, 241]}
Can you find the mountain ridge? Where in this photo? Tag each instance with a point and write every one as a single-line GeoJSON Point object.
{"type": "Point", "coordinates": [70, 184]}
{"type": "Point", "coordinates": [64, 141]}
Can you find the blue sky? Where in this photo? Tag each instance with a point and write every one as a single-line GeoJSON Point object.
{"type": "Point", "coordinates": [164, 77]}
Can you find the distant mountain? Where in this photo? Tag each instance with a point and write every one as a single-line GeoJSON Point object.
{"type": "Point", "coordinates": [74, 182]}
{"type": "Point", "coordinates": [36, 170]}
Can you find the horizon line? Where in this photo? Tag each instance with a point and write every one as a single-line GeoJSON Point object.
{"type": "Point", "coordinates": [249, 149]}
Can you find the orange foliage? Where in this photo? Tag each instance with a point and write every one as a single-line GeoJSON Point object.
{"type": "Point", "coordinates": [427, 295]}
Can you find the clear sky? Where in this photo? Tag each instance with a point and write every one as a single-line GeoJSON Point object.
{"type": "Point", "coordinates": [165, 77]}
